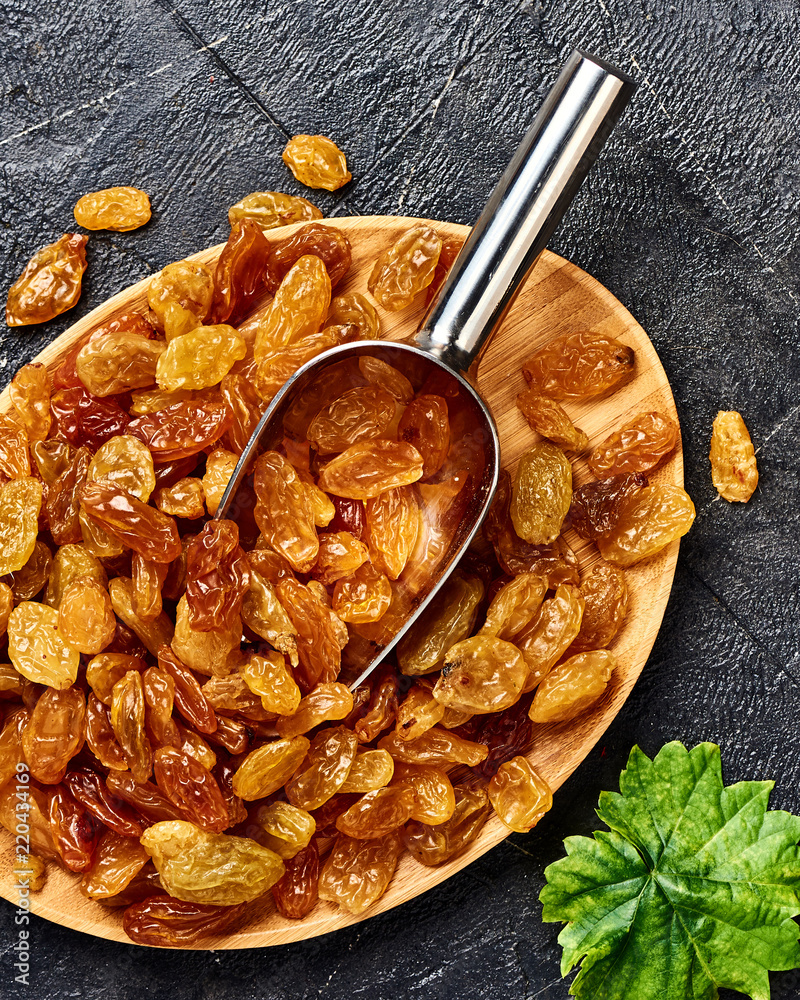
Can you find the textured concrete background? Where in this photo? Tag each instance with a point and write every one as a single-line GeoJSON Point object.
{"type": "Point", "coordinates": [691, 219]}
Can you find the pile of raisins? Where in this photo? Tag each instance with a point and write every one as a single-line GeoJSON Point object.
{"type": "Point", "coordinates": [178, 686]}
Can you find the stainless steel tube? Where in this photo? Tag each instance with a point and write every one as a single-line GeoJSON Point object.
{"type": "Point", "coordinates": [526, 206]}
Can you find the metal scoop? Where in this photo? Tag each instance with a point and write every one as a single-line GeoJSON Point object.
{"type": "Point", "coordinates": [528, 203]}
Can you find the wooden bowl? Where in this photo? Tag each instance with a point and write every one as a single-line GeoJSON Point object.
{"type": "Point", "coordinates": [557, 298]}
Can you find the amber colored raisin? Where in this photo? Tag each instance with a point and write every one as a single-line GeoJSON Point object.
{"type": "Point", "coordinates": [29, 393]}
{"type": "Point", "coordinates": [481, 675]}
{"type": "Point", "coordinates": [425, 424]}
{"type": "Point", "coordinates": [329, 244]}
{"type": "Point", "coordinates": [199, 359]}
{"type": "Point", "coordinates": [182, 429]}
{"type": "Point", "coordinates": [433, 844]}
{"type": "Point", "coordinates": [217, 576]}
{"type": "Point", "coordinates": [506, 734]}
{"type": "Point", "coordinates": [50, 283]}
{"type": "Point", "coordinates": [284, 511]}
{"type": "Point", "coordinates": [354, 310]}
{"type": "Point", "coordinates": [29, 581]}
{"type": "Point", "coordinates": [114, 363]}
{"type": "Point", "coordinates": [119, 208]}
{"type": "Point", "coordinates": [637, 446]}
{"type": "Point", "coordinates": [556, 562]}
{"type": "Point", "coordinates": [451, 248]}
{"type": "Point", "coordinates": [733, 458]}
{"type": "Point", "coordinates": [648, 522]}
{"type": "Point", "coordinates": [269, 767]}
{"type": "Point", "coordinates": [551, 632]}
{"type": "Point", "coordinates": [519, 795]}
{"type": "Point", "coordinates": [55, 733]}
{"type": "Point", "coordinates": [318, 649]}
{"type": "Point", "coordinates": [572, 687]}
{"type": "Point", "coordinates": [79, 418]}
{"type": "Point", "coordinates": [202, 867]}
{"type": "Point", "coordinates": [358, 414]}
{"type": "Point", "coordinates": [142, 528]}
{"type": "Point", "coordinates": [180, 297]}
{"type": "Point", "coordinates": [116, 863]}
{"type": "Point", "coordinates": [271, 209]}
{"type": "Point", "coordinates": [37, 649]}
{"type": "Point", "coordinates": [165, 922]}
{"type": "Point", "coordinates": [85, 616]}
{"type": "Point", "coordinates": [191, 788]}
{"type": "Point", "coordinates": [357, 872]}
{"type": "Point", "coordinates": [541, 494]}
{"type": "Point", "coordinates": [127, 721]}
{"type": "Point", "coordinates": [605, 596]}
{"type": "Point", "coordinates": [596, 506]}
{"type": "Point", "coordinates": [579, 365]}
{"type": "Point", "coordinates": [63, 497]}
{"type": "Point", "coordinates": [547, 417]}
{"type": "Point", "coordinates": [316, 161]}
{"type": "Point", "coordinates": [296, 892]}
{"type": "Point", "coordinates": [239, 275]}
{"type": "Point", "coordinates": [125, 462]}
{"type": "Point", "coordinates": [436, 746]}
{"type": "Point", "coordinates": [364, 596]}
{"type": "Point", "coordinates": [369, 468]}
{"type": "Point", "coordinates": [447, 620]}
{"type": "Point", "coordinates": [405, 268]}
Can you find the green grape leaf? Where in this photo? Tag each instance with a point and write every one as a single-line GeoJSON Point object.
{"type": "Point", "coordinates": [694, 887]}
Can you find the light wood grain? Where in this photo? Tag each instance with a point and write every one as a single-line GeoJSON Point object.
{"type": "Point", "coordinates": [558, 297]}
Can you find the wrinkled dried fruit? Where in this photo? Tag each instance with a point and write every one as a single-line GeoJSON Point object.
{"type": "Point", "coordinates": [648, 521]}
{"type": "Point", "coordinates": [81, 419]}
{"type": "Point", "coordinates": [299, 308]}
{"type": "Point", "coordinates": [285, 829]}
{"type": "Point", "coordinates": [541, 494]}
{"type": "Point", "coordinates": [208, 653]}
{"type": "Point", "coordinates": [182, 429]}
{"type": "Point", "coordinates": [55, 733]}
{"type": "Point", "coordinates": [284, 511]}
{"type": "Point", "coordinates": [127, 721]}
{"type": "Point", "coordinates": [324, 770]}
{"type": "Point", "coordinates": [113, 363]}
{"type": "Point", "coordinates": [50, 283]}
{"type": "Point", "coordinates": [405, 268]}
{"type": "Point", "coordinates": [215, 868]}
{"type": "Point", "coordinates": [239, 275]}
{"type": "Point", "coordinates": [434, 844]}
{"type": "Point", "coordinates": [200, 358]}
{"type": "Point", "coordinates": [637, 446]}
{"type": "Point", "coordinates": [183, 499]}
{"type": "Point", "coordinates": [263, 613]}
{"type": "Point", "coordinates": [116, 862]}
{"type": "Point", "coordinates": [447, 620]}
{"type": "Point", "coordinates": [104, 670]}
{"type": "Point", "coordinates": [551, 632]}
{"type": "Point", "coordinates": [180, 296]}
{"type": "Point", "coordinates": [378, 372]}
{"type": "Point", "coordinates": [330, 245]}
{"type": "Point", "coordinates": [481, 675]}
{"type": "Point", "coordinates": [268, 768]}
{"type": "Point", "coordinates": [271, 209]}
{"type": "Point", "coordinates": [548, 418]}
{"type": "Point", "coordinates": [327, 702]}
{"type": "Point", "coordinates": [296, 892]}
{"type": "Point", "coordinates": [357, 872]}
{"type": "Point", "coordinates": [436, 746]}
{"type": "Point", "coordinates": [191, 788]}
{"type": "Point", "coordinates": [142, 528]}
{"type": "Point", "coordinates": [579, 365]}
{"type": "Point", "coordinates": [572, 687]}
{"type": "Point", "coordinates": [219, 469]}
{"type": "Point", "coordinates": [165, 922]}
{"type": "Point", "coordinates": [425, 424]}
{"type": "Point", "coordinates": [392, 526]}
{"type": "Point", "coordinates": [506, 734]}
{"type": "Point", "coordinates": [418, 712]}
{"type": "Point", "coordinates": [316, 161]}
{"type": "Point", "coordinates": [596, 507]}
{"type": "Point", "coordinates": [358, 414]}
{"type": "Point", "coordinates": [217, 576]}
{"type": "Point", "coordinates": [369, 468]}
{"type": "Point", "coordinates": [20, 502]}
{"type": "Point", "coordinates": [377, 813]}
{"type": "Point", "coordinates": [85, 617]}
{"type": "Point", "coordinates": [605, 596]}
{"type": "Point", "coordinates": [29, 581]}
{"type": "Point", "coordinates": [514, 606]}
{"type": "Point", "coordinates": [519, 796]}
{"type": "Point", "coordinates": [364, 596]}
{"type": "Point", "coordinates": [126, 463]}
{"type": "Point", "coordinates": [159, 696]}
{"type": "Point", "coordinates": [733, 459]}
{"type": "Point", "coordinates": [153, 633]}
{"type": "Point", "coordinates": [29, 393]}
{"type": "Point", "coordinates": [340, 555]}
{"type": "Point", "coordinates": [37, 649]}
{"type": "Point", "coordinates": [371, 769]}
{"type": "Point", "coordinates": [119, 208]}
{"type": "Point", "coordinates": [318, 648]}
{"type": "Point", "coordinates": [356, 312]}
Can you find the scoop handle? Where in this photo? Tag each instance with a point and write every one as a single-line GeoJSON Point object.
{"type": "Point", "coordinates": [526, 206]}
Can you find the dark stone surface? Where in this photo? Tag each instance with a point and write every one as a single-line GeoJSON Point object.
{"type": "Point", "coordinates": [690, 219]}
